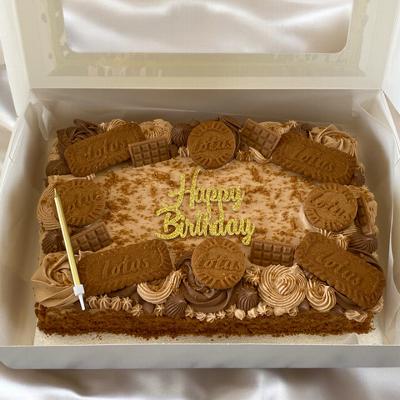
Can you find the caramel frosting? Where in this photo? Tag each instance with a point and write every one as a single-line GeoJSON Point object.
{"type": "Point", "coordinates": [52, 281]}
{"type": "Point", "coordinates": [257, 156]}
{"type": "Point", "coordinates": [105, 302]}
{"type": "Point", "coordinates": [271, 195]}
{"type": "Point", "coordinates": [251, 154]}
{"type": "Point", "coordinates": [253, 275]}
{"type": "Point", "coordinates": [282, 288]}
{"type": "Point", "coordinates": [331, 136]}
{"type": "Point", "coordinates": [92, 302]}
{"type": "Point", "coordinates": [350, 310]}
{"type": "Point", "coordinates": [359, 316]}
{"type": "Point", "coordinates": [247, 298]}
{"type": "Point", "coordinates": [45, 211]}
{"type": "Point", "coordinates": [378, 307]}
{"type": "Point", "coordinates": [126, 303]}
{"type": "Point", "coordinates": [157, 294]}
{"type": "Point", "coordinates": [202, 298]}
{"type": "Point", "coordinates": [183, 152]}
{"type": "Point", "coordinates": [159, 310]}
{"type": "Point", "coordinates": [321, 297]}
{"type": "Point", "coordinates": [106, 126]}
{"type": "Point", "coordinates": [244, 155]}
{"type": "Point", "coordinates": [341, 239]}
{"type": "Point", "coordinates": [156, 129]}
{"type": "Point", "coordinates": [115, 303]}
{"type": "Point", "coordinates": [240, 314]}
{"type": "Point", "coordinates": [279, 127]}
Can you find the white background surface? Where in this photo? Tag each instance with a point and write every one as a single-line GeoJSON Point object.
{"type": "Point", "coordinates": [366, 384]}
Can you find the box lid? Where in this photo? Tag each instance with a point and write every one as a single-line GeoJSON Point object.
{"type": "Point", "coordinates": [200, 44]}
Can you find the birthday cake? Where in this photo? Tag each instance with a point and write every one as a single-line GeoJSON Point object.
{"type": "Point", "coordinates": [219, 227]}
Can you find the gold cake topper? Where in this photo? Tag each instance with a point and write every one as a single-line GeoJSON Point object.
{"type": "Point", "coordinates": [178, 225]}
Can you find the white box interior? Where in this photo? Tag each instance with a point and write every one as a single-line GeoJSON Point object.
{"type": "Point", "coordinates": [363, 113]}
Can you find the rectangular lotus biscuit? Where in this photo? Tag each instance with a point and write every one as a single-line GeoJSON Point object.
{"type": "Point", "coordinates": [114, 269]}
{"type": "Point", "coordinates": [93, 238]}
{"type": "Point", "coordinates": [262, 139]}
{"type": "Point", "coordinates": [270, 253]}
{"type": "Point", "coordinates": [313, 160]}
{"type": "Point", "coordinates": [149, 152]}
{"type": "Point", "coordinates": [102, 151]}
{"type": "Point", "coordinates": [347, 273]}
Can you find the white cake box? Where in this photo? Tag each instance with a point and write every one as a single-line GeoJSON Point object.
{"type": "Point", "coordinates": [221, 57]}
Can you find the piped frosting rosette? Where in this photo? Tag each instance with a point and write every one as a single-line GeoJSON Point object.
{"type": "Point", "coordinates": [282, 288]}
{"type": "Point", "coordinates": [52, 282]}
{"type": "Point", "coordinates": [202, 298]}
{"type": "Point", "coordinates": [321, 297]}
{"type": "Point", "coordinates": [156, 129]}
{"type": "Point", "coordinates": [331, 136]}
{"type": "Point", "coordinates": [157, 294]}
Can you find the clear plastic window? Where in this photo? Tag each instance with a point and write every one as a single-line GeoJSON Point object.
{"type": "Point", "coordinates": [207, 26]}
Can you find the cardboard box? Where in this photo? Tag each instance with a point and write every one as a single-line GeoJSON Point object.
{"type": "Point", "coordinates": [350, 88]}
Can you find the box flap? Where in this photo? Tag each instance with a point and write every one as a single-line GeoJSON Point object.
{"type": "Point", "coordinates": [45, 49]}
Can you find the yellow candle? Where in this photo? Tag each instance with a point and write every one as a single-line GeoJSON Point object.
{"type": "Point", "coordinates": [78, 288]}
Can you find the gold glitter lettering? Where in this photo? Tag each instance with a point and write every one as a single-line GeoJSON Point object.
{"type": "Point", "coordinates": [176, 224]}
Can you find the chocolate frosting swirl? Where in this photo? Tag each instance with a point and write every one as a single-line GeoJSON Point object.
{"type": "Point", "coordinates": [82, 130]}
{"type": "Point", "coordinates": [180, 133]}
{"type": "Point", "coordinates": [202, 298]}
{"type": "Point", "coordinates": [343, 301]}
{"type": "Point", "coordinates": [247, 298]}
{"type": "Point", "coordinates": [282, 287]}
{"type": "Point", "coordinates": [366, 243]}
{"type": "Point", "coordinates": [175, 306]}
{"type": "Point", "coordinates": [52, 281]}
{"type": "Point", "coordinates": [52, 241]}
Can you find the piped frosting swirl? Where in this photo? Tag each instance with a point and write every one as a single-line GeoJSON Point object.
{"type": "Point", "coordinates": [156, 129]}
{"type": "Point", "coordinates": [175, 306]}
{"type": "Point", "coordinates": [158, 295]}
{"type": "Point", "coordinates": [282, 288]}
{"type": "Point", "coordinates": [202, 298]}
{"type": "Point", "coordinates": [321, 297]}
{"type": "Point", "coordinates": [247, 298]}
{"type": "Point", "coordinates": [52, 281]}
{"type": "Point", "coordinates": [332, 137]}
{"type": "Point", "coordinates": [367, 243]}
